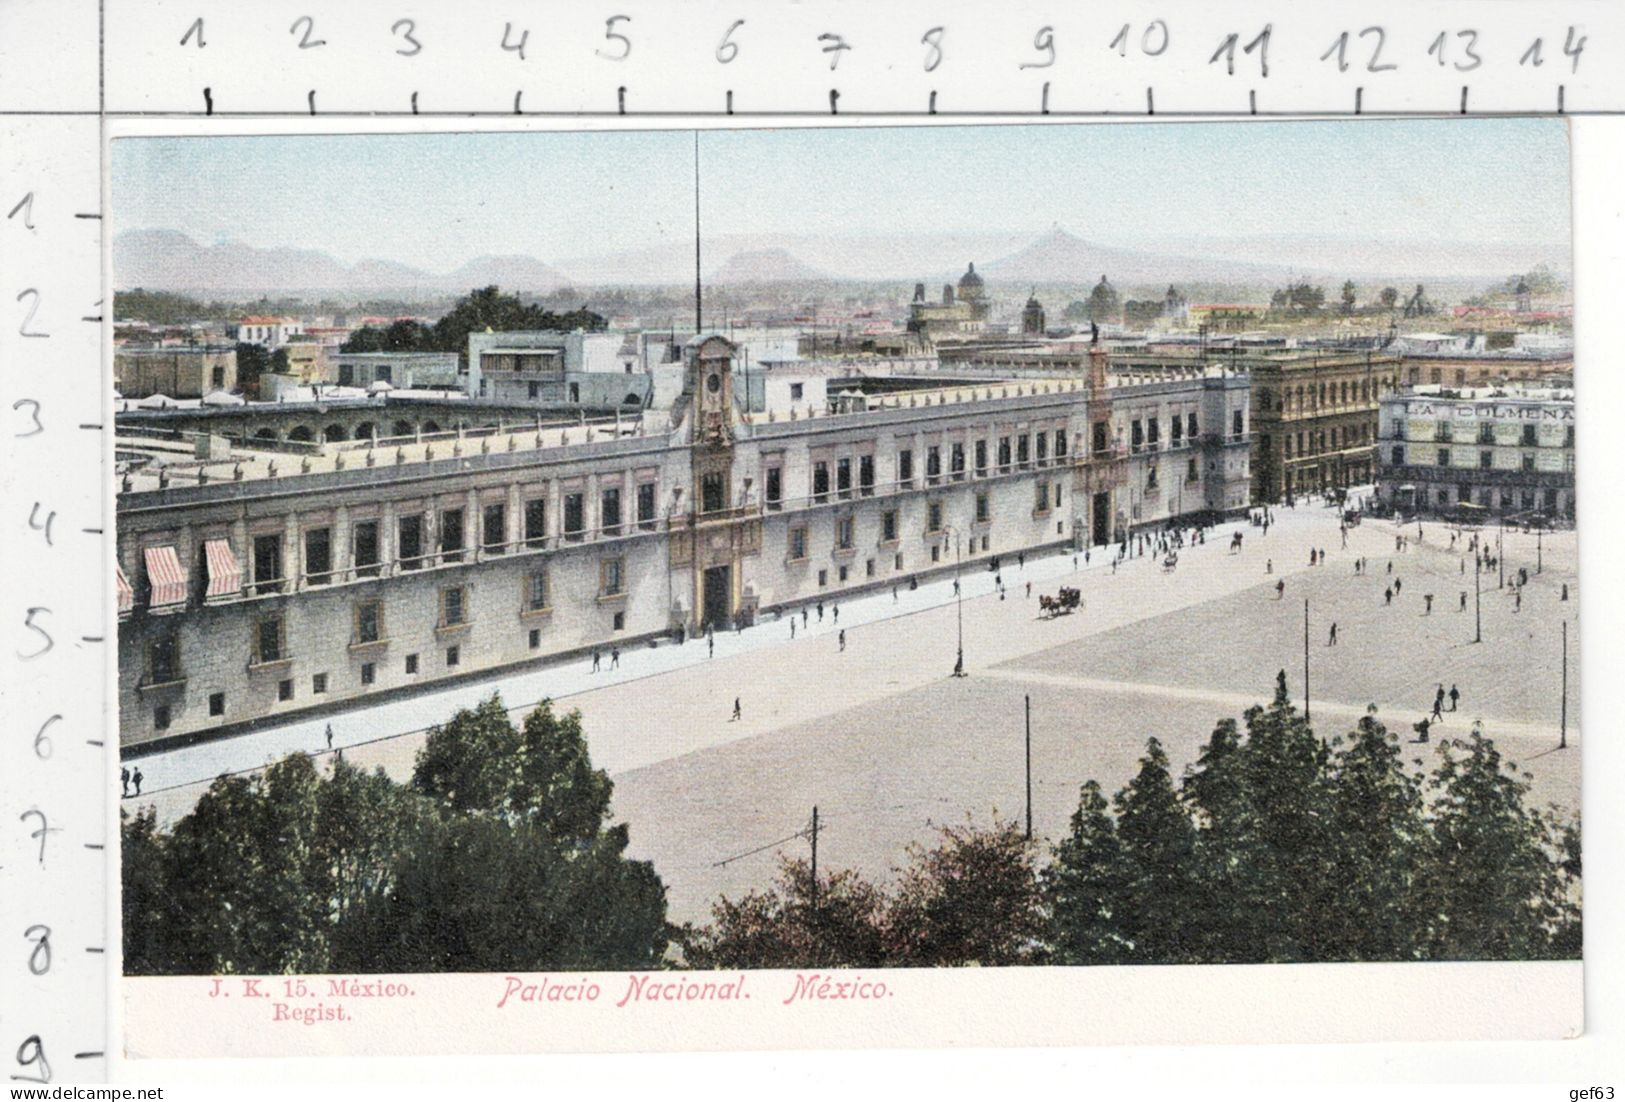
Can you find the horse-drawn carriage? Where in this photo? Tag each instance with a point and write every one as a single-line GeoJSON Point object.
{"type": "Point", "coordinates": [1063, 603]}
{"type": "Point", "coordinates": [1169, 561]}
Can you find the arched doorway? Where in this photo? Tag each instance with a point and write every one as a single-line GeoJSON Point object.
{"type": "Point", "coordinates": [301, 433]}
{"type": "Point", "coordinates": [334, 432]}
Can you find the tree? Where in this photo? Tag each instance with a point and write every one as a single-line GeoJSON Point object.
{"type": "Point", "coordinates": [469, 763]}
{"type": "Point", "coordinates": [402, 335]}
{"type": "Point", "coordinates": [1377, 849]}
{"type": "Point", "coordinates": [973, 898]}
{"type": "Point", "coordinates": [488, 308]}
{"type": "Point", "coordinates": [1388, 297]}
{"type": "Point", "coordinates": [555, 785]}
{"type": "Point", "coordinates": [1348, 296]}
{"type": "Point", "coordinates": [252, 362]}
{"type": "Point", "coordinates": [1498, 885]}
{"type": "Point", "coordinates": [1159, 844]}
{"type": "Point", "coordinates": [145, 896]}
{"type": "Point", "coordinates": [245, 896]}
{"type": "Point", "coordinates": [497, 857]}
{"type": "Point", "coordinates": [1085, 885]}
{"type": "Point", "coordinates": [790, 925]}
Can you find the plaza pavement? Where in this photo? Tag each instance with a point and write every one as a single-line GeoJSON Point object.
{"type": "Point", "coordinates": [885, 742]}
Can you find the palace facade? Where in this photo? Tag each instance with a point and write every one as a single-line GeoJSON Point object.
{"type": "Point", "coordinates": [258, 584]}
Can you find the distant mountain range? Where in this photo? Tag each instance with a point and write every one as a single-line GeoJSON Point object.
{"type": "Point", "coordinates": [766, 266]}
{"type": "Point", "coordinates": [171, 261]}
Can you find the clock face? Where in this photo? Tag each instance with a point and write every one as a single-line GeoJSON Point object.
{"type": "Point", "coordinates": [713, 382]}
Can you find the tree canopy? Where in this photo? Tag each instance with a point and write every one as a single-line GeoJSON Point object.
{"type": "Point", "coordinates": [479, 310]}
{"type": "Point", "coordinates": [498, 856]}
{"type": "Point", "coordinates": [1274, 846]}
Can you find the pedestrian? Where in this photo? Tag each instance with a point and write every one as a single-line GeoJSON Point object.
{"type": "Point", "coordinates": [1517, 600]}
{"type": "Point", "coordinates": [792, 627]}
{"type": "Point", "coordinates": [835, 613]}
{"type": "Point", "coordinates": [710, 646]}
{"type": "Point", "coordinates": [124, 779]}
{"type": "Point", "coordinates": [1074, 562]}
{"type": "Point", "coordinates": [1388, 596]}
{"type": "Point", "coordinates": [894, 592]}
{"type": "Point", "coordinates": [136, 778]}
{"type": "Point", "coordinates": [1021, 559]}
{"type": "Point", "coordinates": [1398, 585]}
{"type": "Point", "coordinates": [1029, 589]}
{"type": "Point", "coordinates": [1390, 566]}
{"type": "Point", "coordinates": [1455, 695]}
{"type": "Point", "coordinates": [1085, 556]}
{"type": "Point", "coordinates": [1331, 640]}
{"type": "Point", "coordinates": [1427, 599]}
{"type": "Point", "coordinates": [1280, 589]}
{"type": "Point", "coordinates": [1311, 556]}
{"type": "Point", "coordinates": [1463, 606]}
{"type": "Point", "coordinates": [1269, 566]}
{"type": "Point", "coordinates": [330, 736]}
{"type": "Point", "coordinates": [1421, 729]}
{"type": "Point", "coordinates": [1438, 704]}
{"type": "Point", "coordinates": [842, 638]}
{"type": "Point", "coordinates": [615, 658]}
{"type": "Point", "coordinates": [737, 713]}
{"type": "Point", "coordinates": [597, 660]}
{"type": "Point", "coordinates": [820, 612]}
{"type": "Point", "coordinates": [1463, 569]}
{"type": "Point", "coordinates": [956, 587]}
{"type": "Point", "coordinates": [1565, 591]}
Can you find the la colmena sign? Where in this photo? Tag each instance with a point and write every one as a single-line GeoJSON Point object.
{"type": "Point", "coordinates": [1430, 410]}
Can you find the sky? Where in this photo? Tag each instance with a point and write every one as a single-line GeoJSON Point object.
{"type": "Point", "coordinates": [435, 201]}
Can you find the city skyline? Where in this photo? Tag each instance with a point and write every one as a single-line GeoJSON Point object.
{"type": "Point", "coordinates": [620, 204]}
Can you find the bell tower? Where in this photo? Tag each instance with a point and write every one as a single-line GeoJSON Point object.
{"type": "Point", "coordinates": [722, 527]}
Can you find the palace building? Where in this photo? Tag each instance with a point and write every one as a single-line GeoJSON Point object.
{"type": "Point", "coordinates": [260, 578]}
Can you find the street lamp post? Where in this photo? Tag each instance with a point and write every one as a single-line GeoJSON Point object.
{"type": "Point", "coordinates": [1500, 558]}
{"type": "Point", "coordinates": [959, 603]}
{"type": "Point", "coordinates": [1478, 615]}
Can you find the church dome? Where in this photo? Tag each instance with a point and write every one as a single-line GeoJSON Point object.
{"type": "Point", "coordinates": [970, 280]}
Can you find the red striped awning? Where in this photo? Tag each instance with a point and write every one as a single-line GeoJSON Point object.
{"type": "Point", "coordinates": [225, 577]}
{"type": "Point", "coordinates": [166, 576]}
{"type": "Point", "coordinates": [126, 595]}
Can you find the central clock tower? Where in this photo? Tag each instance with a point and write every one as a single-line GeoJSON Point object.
{"type": "Point", "coordinates": [722, 527]}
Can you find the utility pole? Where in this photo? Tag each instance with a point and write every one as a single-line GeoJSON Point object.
{"type": "Point", "coordinates": [1306, 659]}
{"type": "Point", "coordinates": [815, 859]}
{"type": "Point", "coordinates": [1478, 604]}
{"type": "Point", "coordinates": [1563, 721]}
{"type": "Point", "coordinates": [1029, 701]}
{"type": "Point", "coordinates": [1500, 555]}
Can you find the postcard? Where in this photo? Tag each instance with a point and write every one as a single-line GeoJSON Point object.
{"type": "Point", "coordinates": [808, 586]}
